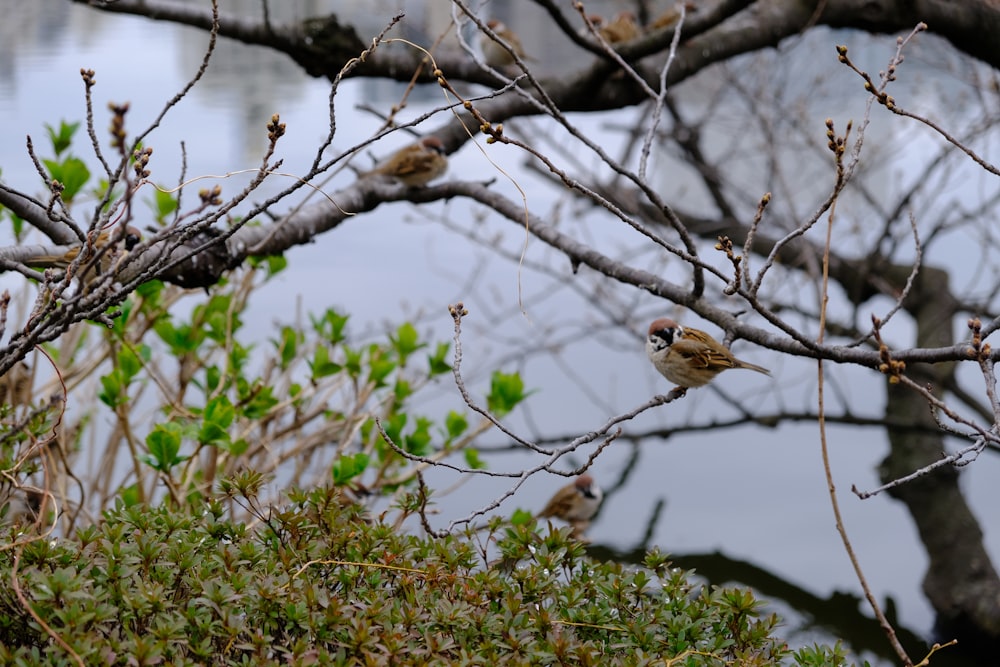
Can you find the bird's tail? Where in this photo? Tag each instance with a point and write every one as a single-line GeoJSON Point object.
{"type": "Point", "coordinates": [752, 367]}
{"type": "Point", "coordinates": [47, 262]}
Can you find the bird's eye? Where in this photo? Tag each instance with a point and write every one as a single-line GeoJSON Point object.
{"type": "Point", "coordinates": [131, 241]}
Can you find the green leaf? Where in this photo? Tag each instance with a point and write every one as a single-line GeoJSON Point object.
{"type": "Point", "coordinates": [98, 191]}
{"type": "Point", "coordinates": [260, 404]}
{"type": "Point", "coordinates": [287, 346]}
{"type": "Point", "coordinates": [128, 362]}
{"type": "Point", "coordinates": [17, 222]}
{"type": "Point", "coordinates": [71, 172]}
{"type": "Point", "coordinates": [211, 434]}
{"type": "Point", "coordinates": [437, 363]}
{"type": "Point", "coordinates": [215, 316]}
{"type": "Point", "coordinates": [401, 390]}
{"type": "Point", "coordinates": [349, 466]}
{"type": "Point", "coordinates": [275, 264]}
{"type": "Point", "coordinates": [150, 292]}
{"type": "Point", "coordinates": [330, 326]}
{"type": "Point", "coordinates": [473, 460]}
{"type": "Point", "coordinates": [237, 447]}
{"type": "Point", "coordinates": [239, 355]}
{"type": "Point", "coordinates": [521, 517]}
{"type": "Point", "coordinates": [506, 391]}
{"type": "Point", "coordinates": [456, 423]}
{"type": "Point", "coordinates": [119, 326]}
{"type": "Point", "coordinates": [220, 410]}
{"type": "Point", "coordinates": [218, 325]}
{"type": "Point", "coordinates": [393, 426]}
{"type": "Point", "coordinates": [321, 366]}
{"type": "Point", "coordinates": [63, 137]}
{"type": "Point", "coordinates": [131, 495]}
{"type": "Point", "coordinates": [379, 365]}
{"type": "Point", "coordinates": [181, 339]}
{"type": "Point", "coordinates": [352, 361]}
{"type": "Point", "coordinates": [213, 376]}
{"type": "Point", "coordinates": [217, 417]}
{"type": "Point", "coordinates": [367, 428]}
{"type": "Point", "coordinates": [406, 342]}
{"type": "Point", "coordinates": [418, 442]}
{"type": "Point", "coordinates": [112, 391]}
{"type": "Point", "coordinates": [163, 205]}
{"type": "Point", "coordinates": [164, 444]}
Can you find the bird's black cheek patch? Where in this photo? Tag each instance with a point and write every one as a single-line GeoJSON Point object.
{"type": "Point", "coordinates": [665, 337]}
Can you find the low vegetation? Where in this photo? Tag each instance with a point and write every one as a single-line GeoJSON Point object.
{"type": "Point", "coordinates": [317, 582]}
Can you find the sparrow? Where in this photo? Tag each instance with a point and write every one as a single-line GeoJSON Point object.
{"type": "Point", "coordinates": [415, 165]}
{"type": "Point", "coordinates": [689, 357]}
{"type": "Point", "coordinates": [15, 386]}
{"type": "Point", "coordinates": [105, 243]}
{"type": "Point", "coordinates": [622, 28]}
{"type": "Point", "coordinates": [495, 54]}
{"type": "Point", "coordinates": [671, 16]}
{"type": "Point", "coordinates": [575, 503]}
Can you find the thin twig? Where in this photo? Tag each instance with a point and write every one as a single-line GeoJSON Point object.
{"type": "Point", "coordinates": [824, 446]}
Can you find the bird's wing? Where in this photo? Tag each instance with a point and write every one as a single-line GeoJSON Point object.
{"type": "Point", "coordinates": [417, 163]}
{"type": "Point", "coordinates": [702, 354]}
{"type": "Point", "coordinates": [559, 504]}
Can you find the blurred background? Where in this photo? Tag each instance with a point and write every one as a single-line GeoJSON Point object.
{"type": "Point", "coordinates": [741, 503]}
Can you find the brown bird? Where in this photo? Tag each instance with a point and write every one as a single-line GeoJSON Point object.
{"type": "Point", "coordinates": [671, 16]}
{"type": "Point", "coordinates": [105, 243]}
{"type": "Point", "coordinates": [15, 386]}
{"type": "Point", "coordinates": [494, 53]}
{"type": "Point", "coordinates": [415, 165]}
{"type": "Point", "coordinates": [622, 28]}
{"type": "Point", "coordinates": [689, 357]}
{"type": "Point", "coordinates": [575, 503]}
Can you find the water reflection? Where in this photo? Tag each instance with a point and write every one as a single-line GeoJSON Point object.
{"type": "Point", "coordinates": [42, 46]}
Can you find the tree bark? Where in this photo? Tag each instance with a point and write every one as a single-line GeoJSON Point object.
{"type": "Point", "coordinates": [961, 581]}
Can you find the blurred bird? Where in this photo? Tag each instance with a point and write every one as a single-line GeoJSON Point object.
{"type": "Point", "coordinates": [575, 503]}
{"type": "Point", "coordinates": [415, 165]}
{"type": "Point", "coordinates": [15, 386]}
{"type": "Point", "coordinates": [671, 16]}
{"type": "Point", "coordinates": [494, 53]}
{"type": "Point", "coordinates": [689, 357]}
{"type": "Point", "coordinates": [19, 506]}
{"type": "Point", "coordinates": [622, 28]}
{"type": "Point", "coordinates": [105, 244]}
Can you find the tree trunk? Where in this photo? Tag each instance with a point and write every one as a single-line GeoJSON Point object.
{"type": "Point", "coordinates": [961, 582]}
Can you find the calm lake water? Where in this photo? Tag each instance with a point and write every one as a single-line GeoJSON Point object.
{"type": "Point", "coordinates": [745, 505]}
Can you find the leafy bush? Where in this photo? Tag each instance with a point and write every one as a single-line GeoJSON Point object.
{"type": "Point", "coordinates": [317, 583]}
{"type": "Point", "coordinates": [172, 575]}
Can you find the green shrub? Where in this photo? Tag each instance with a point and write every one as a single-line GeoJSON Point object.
{"type": "Point", "coordinates": [318, 583]}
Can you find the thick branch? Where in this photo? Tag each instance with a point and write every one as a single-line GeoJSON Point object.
{"type": "Point", "coordinates": [32, 212]}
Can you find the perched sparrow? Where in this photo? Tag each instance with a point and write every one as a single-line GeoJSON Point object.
{"type": "Point", "coordinates": [109, 255]}
{"type": "Point", "coordinates": [15, 385]}
{"type": "Point", "coordinates": [666, 19]}
{"type": "Point", "coordinates": [415, 165]}
{"type": "Point", "coordinates": [575, 503]}
{"type": "Point", "coordinates": [689, 357]}
{"type": "Point", "coordinates": [19, 507]}
{"type": "Point", "coordinates": [671, 16]}
{"type": "Point", "coordinates": [622, 28]}
{"type": "Point", "coordinates": [495, 54]}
